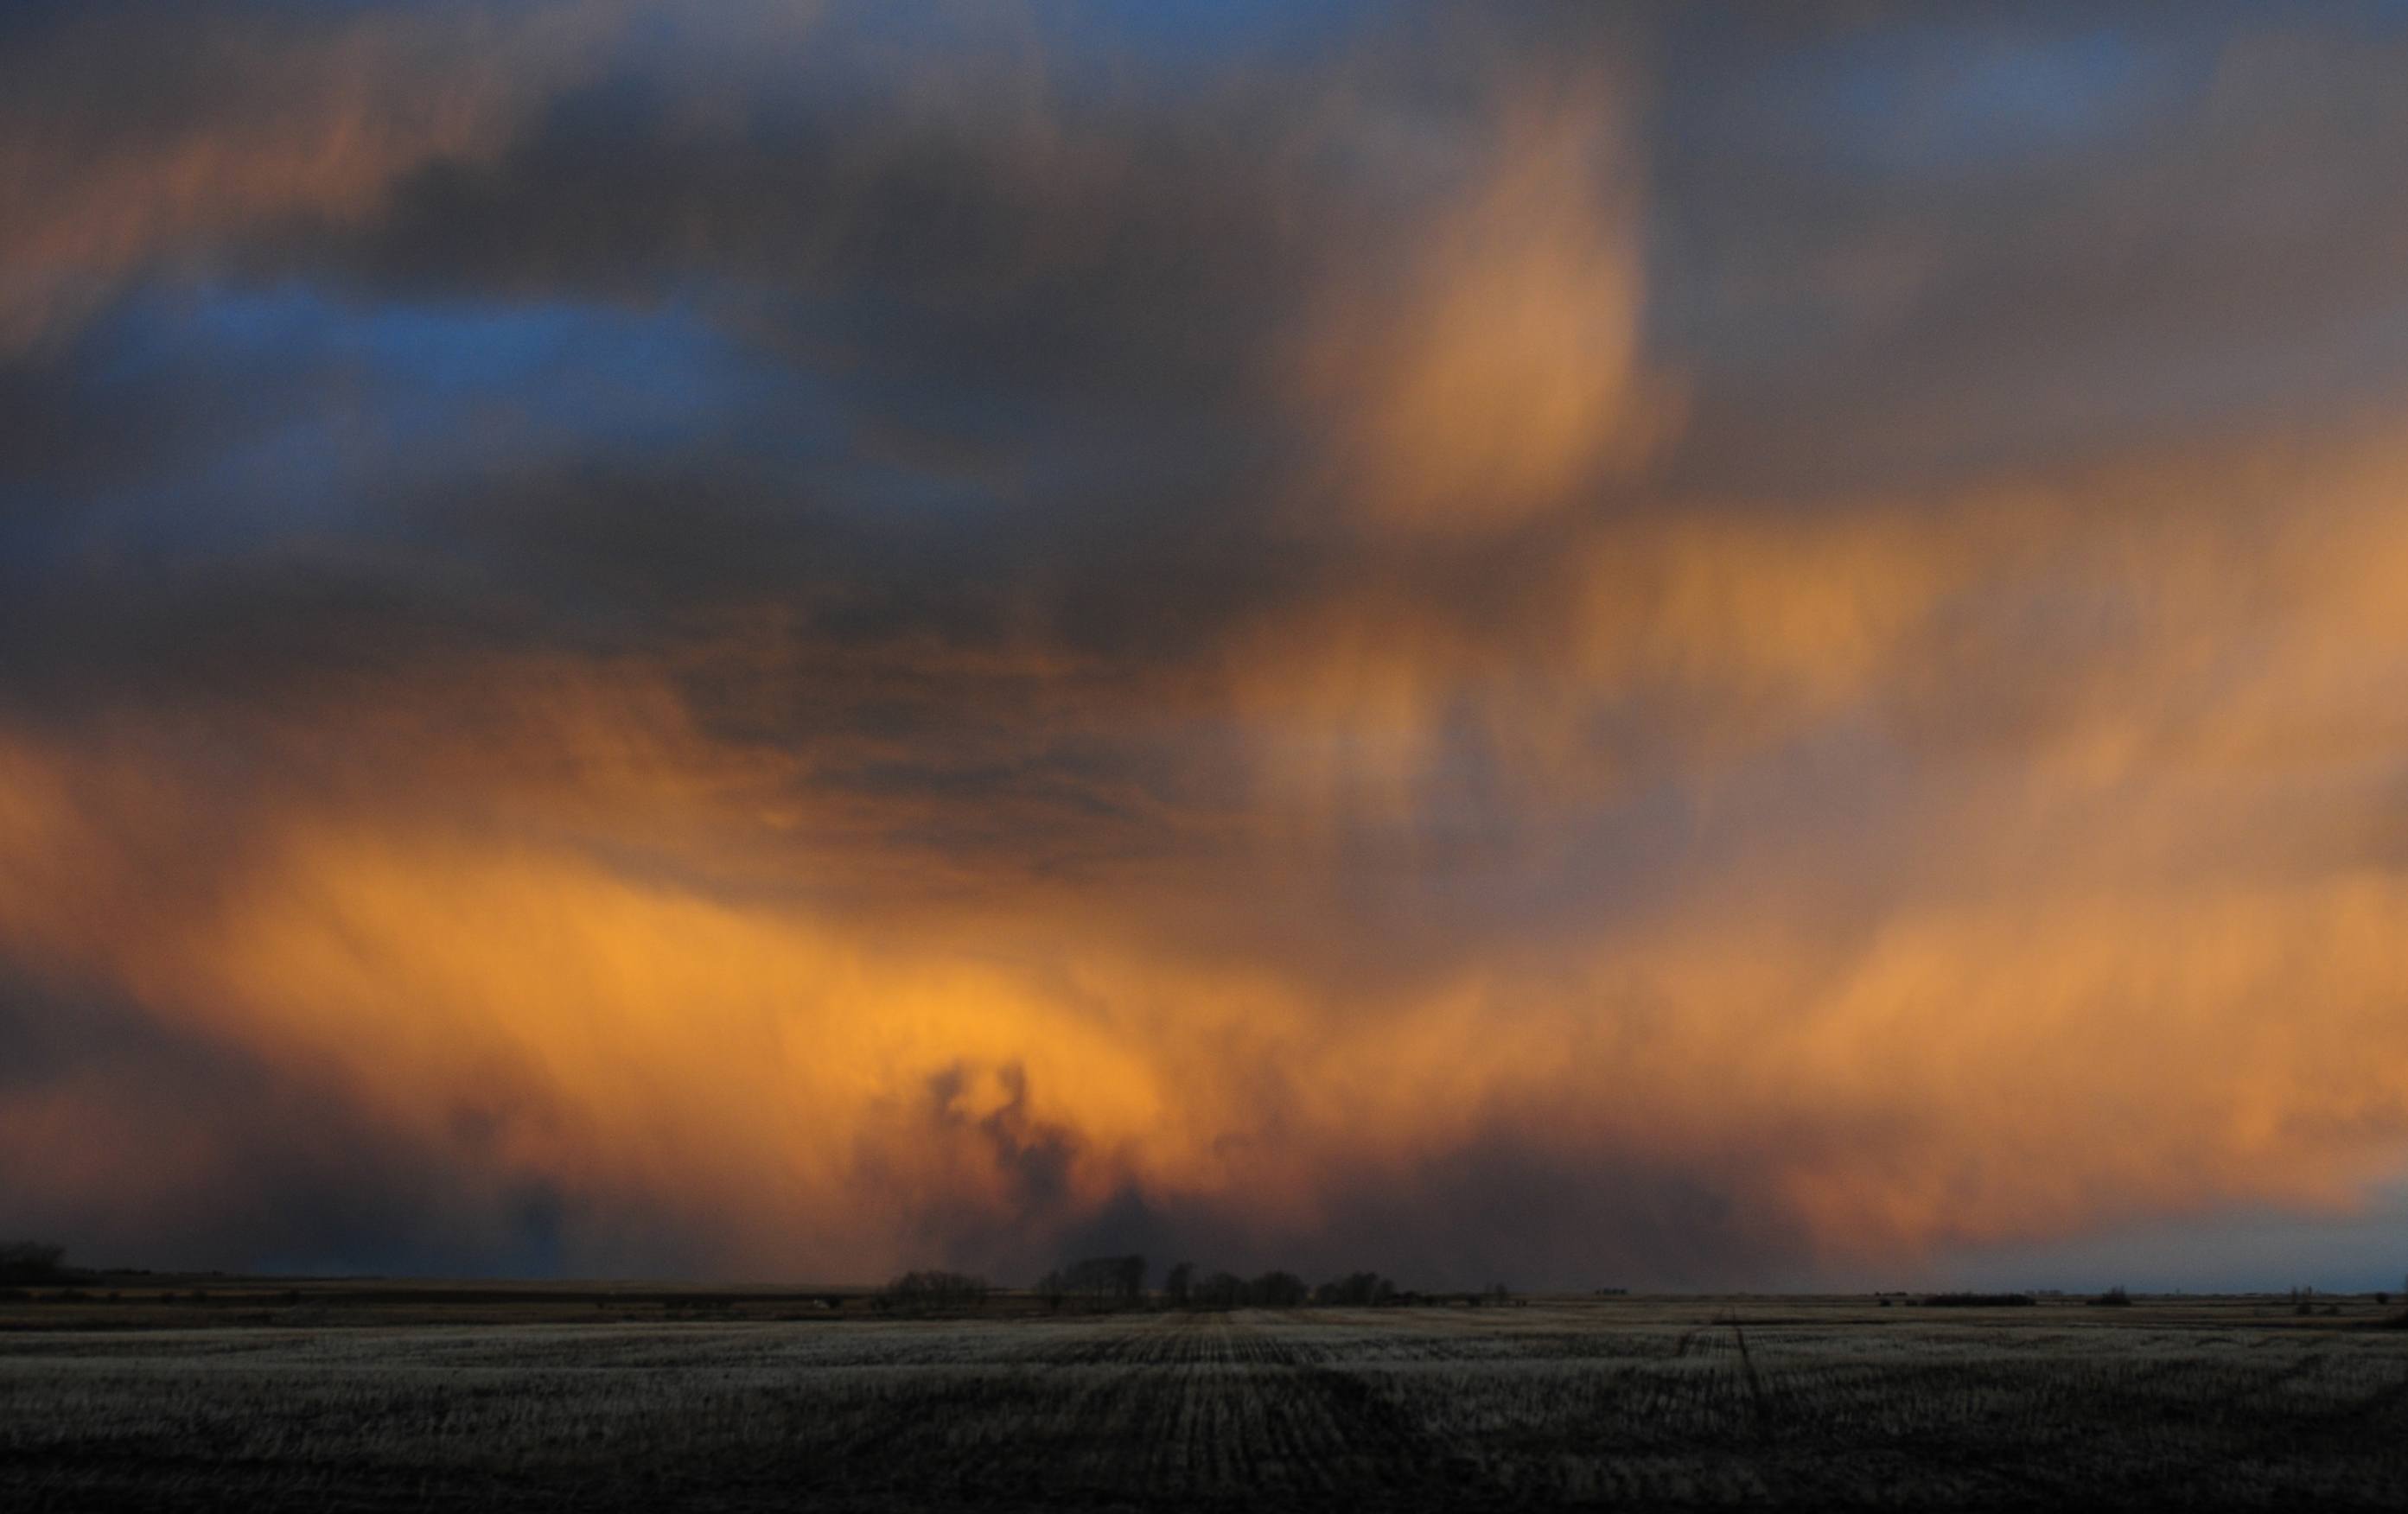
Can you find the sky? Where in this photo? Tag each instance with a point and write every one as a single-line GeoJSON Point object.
{"type": "Point", "coordinates": [1673, 645]}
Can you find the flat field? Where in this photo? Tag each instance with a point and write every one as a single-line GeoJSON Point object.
{"type": "Point", "coordinates": [369, 1399]}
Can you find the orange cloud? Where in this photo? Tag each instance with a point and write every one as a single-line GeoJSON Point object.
{"type": "Point", "coordinates": [2122, 940]}
{"type": "Point", "coordinates": [1485, 365]}
{"type": "Point", "coordinates": [1896, 873]}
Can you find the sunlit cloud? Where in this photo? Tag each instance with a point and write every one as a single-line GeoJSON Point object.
{"type": "Point", "coordinates": [1183, 663]}
{"type": "Point", "coordinates": [1480, 361]}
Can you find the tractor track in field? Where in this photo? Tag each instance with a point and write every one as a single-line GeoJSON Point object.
{"type": "Point", "coordinates": [1237, 1404]}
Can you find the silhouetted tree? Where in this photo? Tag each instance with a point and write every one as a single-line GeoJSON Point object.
{"type": "Point", "coordinates": [1277, 1290]}
{"type": "Point", "coordinates": [1356, 1290]}
{"type": "Point", "coordinates": [1979, 1301]}
{"type": "Point", "coordinates": [1177, 1282]}
{"type": "Point", "coordinates": [934, 1290]}
{"type": "Point", "coordinates": [24, 1262]}
{"type": "Point", "coordinates": [1221, 1290]}
{"type": "Point", "coordinates": [1113, 1279]}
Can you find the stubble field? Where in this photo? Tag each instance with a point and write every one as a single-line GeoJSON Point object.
{"type": "Point", "coordinates": [1648, 1403]}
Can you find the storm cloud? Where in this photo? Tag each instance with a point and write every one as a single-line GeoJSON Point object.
{"type": "Point", "coordinates": [1682, 647]}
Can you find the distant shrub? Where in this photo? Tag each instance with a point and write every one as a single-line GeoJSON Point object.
{"type": "Point", "coordinates": [1978, 1301]}
{"type": "Point", "coordinates": [2114, 1298]}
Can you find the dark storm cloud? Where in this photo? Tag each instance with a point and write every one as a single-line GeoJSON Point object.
{"type": "Point", "coordinates": [1077, 282]}
{"type": "Point", "coordinates": [1076, 293]}
{"type": "Point", "coordinates": [1954, 242]}
{"type": "Point", "coordinates": [160, 1148]}
{"type": "Point", "coordinates": [1488, 1211]}
{"type": "Point", "coordinates": [1557, 644]}
{"type": "Point", "coordinates": [1495, 1206]}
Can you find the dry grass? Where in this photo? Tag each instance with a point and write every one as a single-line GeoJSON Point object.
{"type": "Point", "coordinates": [1637, 1401]}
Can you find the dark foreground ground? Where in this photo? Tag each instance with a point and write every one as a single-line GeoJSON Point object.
{"type": "Point", "coordinates": [378, 1399]}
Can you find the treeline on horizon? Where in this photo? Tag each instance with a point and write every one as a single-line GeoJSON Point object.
{"type": "Point", "coordinates": [1121, 1283]}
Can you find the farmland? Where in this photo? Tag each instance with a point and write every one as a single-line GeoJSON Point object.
{"type": "Point", "coordinates": [555, 1399]}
